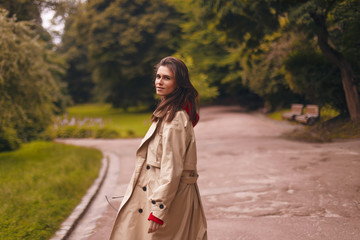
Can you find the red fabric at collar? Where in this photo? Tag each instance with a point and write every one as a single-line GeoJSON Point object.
{"type": "Point", "coordinates": [187, 107]}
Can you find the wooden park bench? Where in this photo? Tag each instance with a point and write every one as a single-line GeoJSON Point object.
{"type": "Point", "coordinates": [296, 110]}
{"type": "Point", "coordinates": [311, 115]}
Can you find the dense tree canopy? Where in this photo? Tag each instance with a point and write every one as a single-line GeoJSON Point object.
{"type": "Point", "coordinates": [120, 42]}
{"type": "Point", "coordinates": [281, 51]}
{"type": "Point", "coordinates": [224, 41]}
{"type": "Point", "coordinates": [269, 37]}
{"type": "Point", "coordinates": [75, 50]}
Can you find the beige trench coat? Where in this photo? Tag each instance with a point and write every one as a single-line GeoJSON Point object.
{"type": "Point", "coordinates": [164, 183]}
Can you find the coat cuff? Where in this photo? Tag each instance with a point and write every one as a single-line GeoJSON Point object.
{"type": "Point", "coordinates": [155, 219]}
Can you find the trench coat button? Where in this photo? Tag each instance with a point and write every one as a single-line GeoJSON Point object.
{"type": "Point", "coordinates": [161, 206]}
{"type": "Point", "coordinates": [144, 189]}
{"type": "Point", "coordinates": [147, 167]}
{"type": "Point", "coordinates": [153, 202]}
{"type": "Point", "coordinates": [140, 210]}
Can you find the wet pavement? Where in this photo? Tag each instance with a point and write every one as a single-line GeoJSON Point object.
{"type": "Point", "coordinates": [254, 184]}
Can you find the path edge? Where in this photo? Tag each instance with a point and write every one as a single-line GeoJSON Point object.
{"type": "Point", "coordinates": [79, 211]}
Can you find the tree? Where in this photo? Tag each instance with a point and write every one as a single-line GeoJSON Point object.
{"type": "Point", "coordinates": [74, 49]}
{"type": "Point", "coordinates": [28, 85]}
{"type": "Point", "coordinates": [224, 39]}
{"type": "Point", "coordinates": [304, 63]}
{"type": "Point", "coordinates": [124, 39]}
{"type": "Point", "coordinates": [329, 22]}
{"type": "Point", "coordinates": [264, 73]}
{"type": "Point", "coordinates": [334, 23]}
{"type": "Point", "coordinates": [23, 10]}
{"type": "Point", "coordinates": [29, 10]}
{"type": "Point", "coordinates": [213, 61]}
{"type": "Point", "coordinates": [201, 50]}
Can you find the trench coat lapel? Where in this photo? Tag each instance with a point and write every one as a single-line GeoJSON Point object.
{"type": "Point", "coordinates": [148, 135]}
{"type": "Point", "coordinates": [140, 158]}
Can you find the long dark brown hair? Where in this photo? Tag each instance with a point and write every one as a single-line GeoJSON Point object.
{"type": "Point", "coordinates": [184, 96]}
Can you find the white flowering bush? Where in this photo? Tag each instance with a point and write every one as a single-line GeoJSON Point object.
{"type": "Point", "coordinates": [65, 127]}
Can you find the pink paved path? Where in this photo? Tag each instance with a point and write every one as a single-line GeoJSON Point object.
{"type": "Point", "coordinates": [254, 184]}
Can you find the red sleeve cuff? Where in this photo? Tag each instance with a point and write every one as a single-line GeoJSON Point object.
{"type": "Point", "coordinates": [155, 219]}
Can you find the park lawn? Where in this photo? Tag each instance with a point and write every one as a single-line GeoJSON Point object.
{"type": "Point", "coordinates": [277, 115]}
{"type": "Point", "coordinates": [132, 123]}
{"type": "Point", "coordinates": [40, 184]}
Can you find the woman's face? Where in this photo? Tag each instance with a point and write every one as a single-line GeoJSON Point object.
{"type": "Point", "coordinates": [165, 82]}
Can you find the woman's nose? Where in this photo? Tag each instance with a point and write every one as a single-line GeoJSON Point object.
{"type": "Point", "coordinates": [159, 80]}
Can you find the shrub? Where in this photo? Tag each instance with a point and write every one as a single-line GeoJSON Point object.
{"type": "Point", "coordinates": [79, 128]}
{"type": "Point", "coordinates": [28, 85]}
{"type": "Point", "coordinates": [8, 139]}
{"type": "Point", "coordinates": [106, 133]}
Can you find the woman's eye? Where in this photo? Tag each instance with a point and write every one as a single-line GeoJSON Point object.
{"type": "Point", "coordinates": [157, 76]}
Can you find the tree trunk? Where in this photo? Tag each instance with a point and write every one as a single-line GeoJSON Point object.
{"type": "Point", "coordinates": [347, 73]}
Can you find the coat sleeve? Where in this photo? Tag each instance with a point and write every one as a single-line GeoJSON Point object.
{"type": "Point", "coordinates": [174, 141]}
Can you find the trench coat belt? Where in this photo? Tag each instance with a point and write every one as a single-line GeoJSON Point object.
{"type": "Point", "coordinates": [189, 177]}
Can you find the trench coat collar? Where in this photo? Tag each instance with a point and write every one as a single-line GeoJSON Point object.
{"type": "Point", "coordinates": [148, 135]}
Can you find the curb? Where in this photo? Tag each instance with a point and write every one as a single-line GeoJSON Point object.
{"type": "Point", "coordinates": [70, 223]}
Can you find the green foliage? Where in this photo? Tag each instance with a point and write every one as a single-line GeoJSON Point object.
{"type": "Point", "coordinates": [133, 30]}
{"type": "Point", "coordinates": [243, 21]}
{"type": "Point", "coordinates": [30, 10]}
{"type": "Point", "coordinates": [83, 131]}
{"type": "Point", "coordinates": [260, 38]}
{"type": "Point", "coordinates": [108, 133]}
{"type": "Point", "coordinates": [344, 31]}
{"type": "Point", "coordinates": [40, 185]}
{"type": "Point", "coordinates": [277, 115]}
{"type": "Point", "coordinates": [334, 24]}
{"type": "Point", "coordinates": [24, 10]}
{"type": "Point", "coordinates": [9, 139]}
{"type": "Point", "coordinates": [203, 51]}
{"type": "Point", "coordinates": [313, 76]}
{"type": "Point", "coordinates": [200, 80]}
{"type": "Point", "coordinates": [342, 19]}
{"type": "Point", "coordinates": [264, 73]}
{"type": "Point", "coordinates": [73, 47]}
{"type": "Point", "coordinates": [28, 83]}
{"type": "Point", "coordinates": [327, 112]}
{"type": "Point", "coordinates": [231, 46]}
{"type": "Point", "coordinates": [117, 43]}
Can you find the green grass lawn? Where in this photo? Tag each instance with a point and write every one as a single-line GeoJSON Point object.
{"type": "Point", "coordinates": [40, 185]}
{"type": "Point", "coordinates": [277, 115]}
{"type": "Point", "coordinates": [114, 122]}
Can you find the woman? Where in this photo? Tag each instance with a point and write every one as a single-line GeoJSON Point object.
{"type": "Point", "coordinates": [162, 200]}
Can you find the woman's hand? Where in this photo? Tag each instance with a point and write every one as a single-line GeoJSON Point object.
{"type": "Point", "coordinates": [154, 226]}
